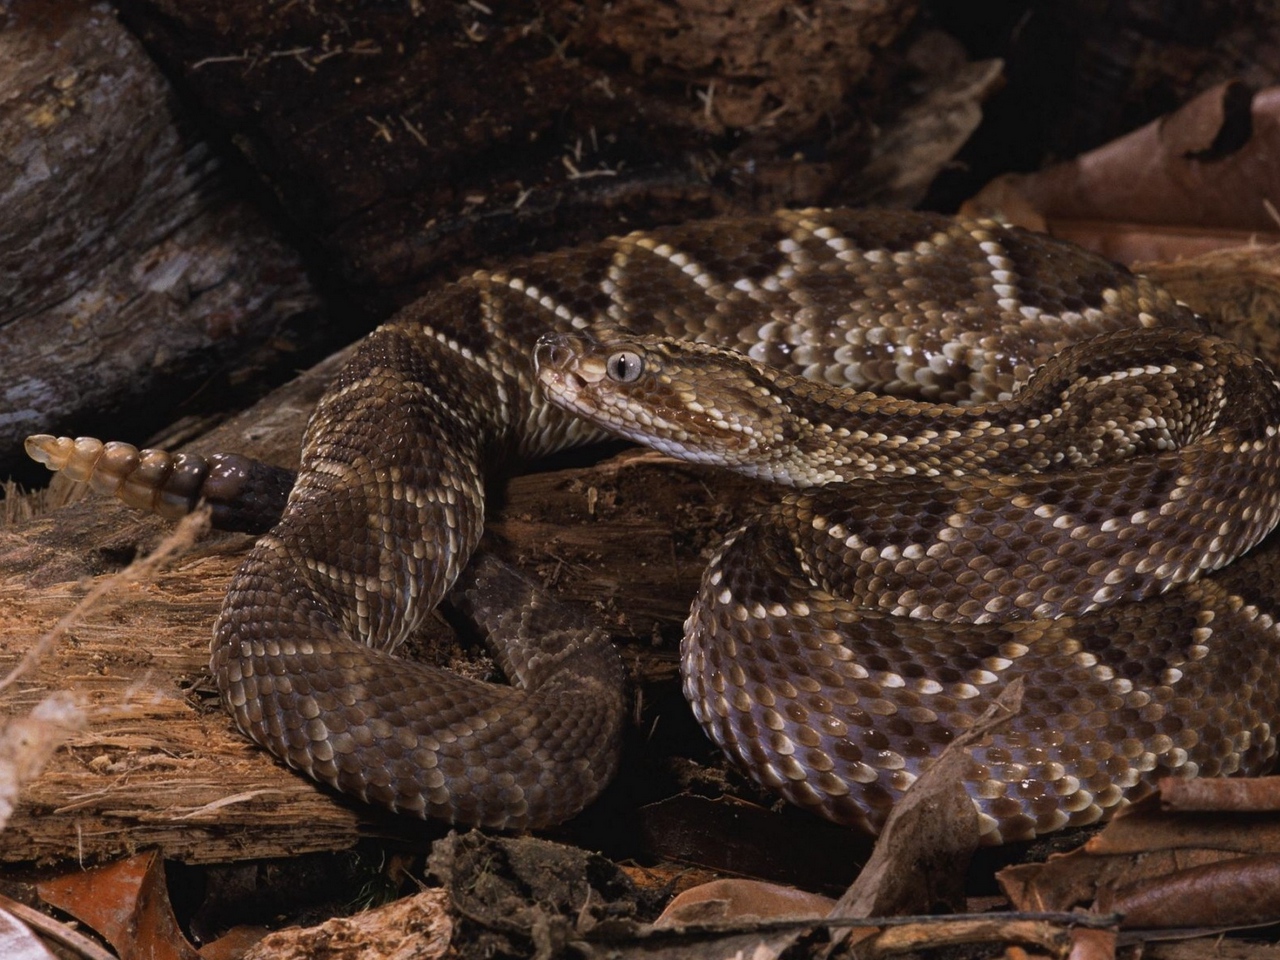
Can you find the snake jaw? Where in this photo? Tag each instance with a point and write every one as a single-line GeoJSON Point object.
{"type": "Point", "coordinates": [659, 405]}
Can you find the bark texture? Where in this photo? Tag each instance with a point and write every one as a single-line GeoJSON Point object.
{"type": "Point", "coordinates": [128, 269]}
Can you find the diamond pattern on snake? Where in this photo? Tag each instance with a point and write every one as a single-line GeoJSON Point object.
{"type": "Point", "coordinates": [996, 456]}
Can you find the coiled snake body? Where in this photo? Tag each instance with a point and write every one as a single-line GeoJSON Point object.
{"type": "Point", "coordinates": [836, 644]}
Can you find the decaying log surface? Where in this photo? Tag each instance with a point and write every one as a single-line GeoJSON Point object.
{"type": "Point", "coordinates": [161, 765]}
{"type": "Point", "coordinates": [128, 268]}
{"type": "Point", "coordinates": [410, 137]}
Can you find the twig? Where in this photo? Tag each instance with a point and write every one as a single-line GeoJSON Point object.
{"type": "Point", "coordinates": [1092, 921]}
{"type": "Point", "coordinates": [55, 930]}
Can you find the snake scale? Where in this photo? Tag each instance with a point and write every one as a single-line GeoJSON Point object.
{"type": "Point", "coordinates": [947, 535]}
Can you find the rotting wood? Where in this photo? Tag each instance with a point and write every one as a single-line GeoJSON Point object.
{"type": "Point", "coordinates": [161, 764]}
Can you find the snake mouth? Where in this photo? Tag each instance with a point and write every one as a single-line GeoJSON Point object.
{"type": "Point", "coordinates": [560, 389]}
{"type": "Point", "coordinates": [554, 360]}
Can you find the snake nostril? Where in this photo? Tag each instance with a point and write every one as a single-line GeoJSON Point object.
{"type": "Point", "coordinates": [554, 350]}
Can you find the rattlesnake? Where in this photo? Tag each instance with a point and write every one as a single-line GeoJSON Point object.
{"type": "Point", "coordinates": [836, 706]}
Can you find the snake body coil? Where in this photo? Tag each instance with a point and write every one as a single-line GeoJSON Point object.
{"type": "Point", "coordinates": [938, 552]}
{"type": "Point", "coordinates": [835, 703]}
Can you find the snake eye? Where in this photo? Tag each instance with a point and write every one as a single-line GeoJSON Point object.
{"type": "Point", "coordinates": [625, 366]}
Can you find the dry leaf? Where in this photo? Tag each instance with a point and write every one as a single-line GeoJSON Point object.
{"type": "Point", "coordinates": [907, 156]}
{"type": "Point", "coordinates": [127, 903]}
{"type": "Point", "coordinates": [1254, 795]}
{"type": "Point", "coordinates": [1155, 829]}
{"type": "Point", "coordinates": [1092, 944]}
{"type": "Point", "coordinates": [1080, 877]}
{"type": "Point", "coordinates": [1053, 937]}
{"type": "Point", "coordinates": [1239, 892]}
{"type": "Point", "coordinates": [728, 900]}
{"type": "Point", "coordinates": [1168, 869]}
{"type": "Point", "coordinates": [1212, 166]}
{"type": "Point", "coordinates": [734, 836]}
{"type": "Point", "coordinates": [233, 944]}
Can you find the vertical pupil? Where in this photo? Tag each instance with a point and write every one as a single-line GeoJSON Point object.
{"type": "Point", "coordinates": [624, 366]}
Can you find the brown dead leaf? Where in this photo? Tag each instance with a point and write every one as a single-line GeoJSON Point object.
{"type": "Point", "coordinates": [1053, 936]}
{"type": "Point", "coordinates": [731, 835]}
{"type": "Point", "coordinates": [1254, 795]}
{"type": "Point", "coordinates": [1215, 947]}
{"type": "Point", "coordinates": [1092, 944]}
{"type": "Point", "coordinates": [1162, 830]}
{"type": "Point", "coordinates": [127, 902]}
{"type": "Point", "coordinates": [1080, 877]}
{"type": "Point", "coordinates": [907, 156]}
{"type": "Point", "coordinates": [1212, 166]}
{"type": "Point", "coordinates": [1148, 825]}
{"type": "Point", "coordinates": [1169, 869]}
{"type": "Point", "coordinates": [729, 900]}
{"type": "Point", "coordinates": [1136, 243]}
{"type": "Point", "coordinates": [233, 944]}
{"type": "Point", "coordinates": [1060, 883]}
{"type": "Point", "coordinates": [1239, 892]}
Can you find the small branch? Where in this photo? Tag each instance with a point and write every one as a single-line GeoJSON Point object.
{"type": "Point", "coordinates": [59, 932]}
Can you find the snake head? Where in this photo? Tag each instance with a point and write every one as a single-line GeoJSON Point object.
{"type": "Point", "coordinates": [689, 400]}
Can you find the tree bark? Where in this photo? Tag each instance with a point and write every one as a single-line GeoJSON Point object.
{"type": "Point", "coordinates": [415, 137]}
{"type": "Point", "coordinates": [128, 269]}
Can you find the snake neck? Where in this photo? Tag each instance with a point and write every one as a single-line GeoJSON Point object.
{"type": "Point", "coordinates": [1120, 396]}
